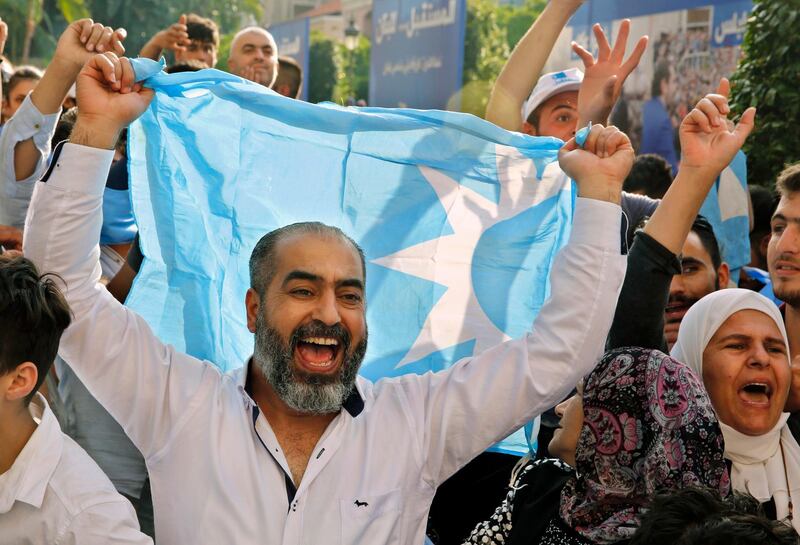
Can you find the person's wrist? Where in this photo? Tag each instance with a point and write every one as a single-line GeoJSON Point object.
{"type": "Point", "coordinates": [65, 66]}
{"type": "Point", "coordinates": [95, 131]}
{"type": "Point", "coordinates": [600, 188]}
{"type": "Point", "coordinates": [566, 5]}
{"type": "Point", "coordinates": [705, 172]}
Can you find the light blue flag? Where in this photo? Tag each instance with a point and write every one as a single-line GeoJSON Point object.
{"type": "Point", "coordinates": [460, 220]}
{"type": "Point", "coordinates": [726, 209]}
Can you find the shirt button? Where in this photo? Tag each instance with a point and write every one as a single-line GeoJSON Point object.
{"type": "Point", "coordinates": [36, 126]}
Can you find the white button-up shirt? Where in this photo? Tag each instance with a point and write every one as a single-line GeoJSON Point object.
{"type": "Point", "coordinates": [27, 122]}
{"type": "Point", "coordinates": [219, 474]}
{"type": "Point", "coordinates": [55, 494]}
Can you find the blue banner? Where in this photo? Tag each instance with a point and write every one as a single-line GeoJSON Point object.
{"type": "Point", "coordinates": [730, 23]}
{"type": "Point", "coordinates": [292, 38]}
{"type": "Point", "coordinates": [605, 10]}
{"type": "Point", "coordinates": [417, 53]}
{"type": "Point", "coordinates": [460, 220]}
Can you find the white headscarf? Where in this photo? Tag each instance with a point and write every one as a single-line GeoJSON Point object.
{"type": "Point", "coordinates": [761, 465]}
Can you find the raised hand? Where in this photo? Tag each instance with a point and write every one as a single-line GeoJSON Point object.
{"type": "Point", "coordinates": [84, 38]}
{"type": "Point", "coordinates": [175, 37]}
{"type": "Point", "coordinates": [600, 167]}
{"type": "Point", "coordinates": [605, 75]}
{"type": "Point", "coordinates": [108, 100]}
{"type": "Point", "coordinates": [257, 73]}
{"type": "Point", "coordinates": [708, 142]}
{"type": "Point", "coordinates": [3, 35]}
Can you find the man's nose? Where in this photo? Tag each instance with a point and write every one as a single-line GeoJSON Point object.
{"type": "Point", "coordinates": [327, 309]}
{"type": "Point", "coordinates": [676, 285]}
{"type": "Point", "coordinates": [788, 241]}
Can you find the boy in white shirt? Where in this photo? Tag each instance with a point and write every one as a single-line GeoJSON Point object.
{"type": "Point", "coordinates": [50, 490]}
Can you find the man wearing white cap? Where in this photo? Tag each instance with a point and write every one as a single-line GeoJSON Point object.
{"type": "Point", "coordinates": [552, 107]}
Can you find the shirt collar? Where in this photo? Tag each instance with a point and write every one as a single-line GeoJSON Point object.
{"type": "Point", "coordinates": [27, 479]}
{"type": "Point", "coordinates": [354, 404]}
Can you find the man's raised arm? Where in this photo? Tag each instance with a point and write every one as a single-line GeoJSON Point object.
{"type": "Point", "coordinates": [144, 384]}
{"type": "Point", "coordinates": [464, 410]}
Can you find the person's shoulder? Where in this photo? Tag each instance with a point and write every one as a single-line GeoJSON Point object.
{"type": "Point", "coordinates": [545, 469]}
{"type": "Point", "coordinates": [78, 483]}
{"type": "Point", "coordinates": [637, 206]}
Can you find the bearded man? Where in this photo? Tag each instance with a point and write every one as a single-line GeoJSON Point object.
{"type": "Point", "coordinates": [294, 447]}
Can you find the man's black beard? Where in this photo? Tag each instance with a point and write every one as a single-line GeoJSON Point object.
{"type": "Point", "coordinates": [790, 297]}
{"type": "Point", "coordinates": [301, 391]}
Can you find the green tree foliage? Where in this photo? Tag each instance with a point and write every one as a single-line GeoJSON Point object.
{"type": "Point", "coordinates": [322, 68]}
{"type": "Point", "coordinates": [492, 32]}
{"type": "Point", "coordinates": [353, 71]}
{"type": "Point", "coordinates": [518, 19]}
{"type": "Point", "coordinates": [768, 78]}
{"type": "Point", "coordinates": [141, 18]}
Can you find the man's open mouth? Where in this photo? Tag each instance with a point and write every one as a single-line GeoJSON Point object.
{"type": "Point", "coordinates": [318, 353]}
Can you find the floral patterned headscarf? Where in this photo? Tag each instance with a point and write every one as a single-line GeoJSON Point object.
{"type": "Point", "coordinates": [648, 427]}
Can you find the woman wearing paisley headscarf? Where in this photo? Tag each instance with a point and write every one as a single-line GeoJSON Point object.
{"type": "Point", "coordinates": [648, 427]}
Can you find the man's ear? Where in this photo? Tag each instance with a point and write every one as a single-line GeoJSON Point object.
{"type": "Point", "coordinates": [23, 381]}
{"type": "Point", "coordinates": [723, 275]}
{"type": "Point", "coordinates": [252, 302]}
{"type": "Point", "coordinates": [529, 129]}
{"type": "Point", "coordinates": [282, 89]}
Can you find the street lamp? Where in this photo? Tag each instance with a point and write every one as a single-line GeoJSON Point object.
{"type": "Point", "coordinates": [351, 35]}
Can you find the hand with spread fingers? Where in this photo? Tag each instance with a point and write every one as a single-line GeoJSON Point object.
{"type": "Point", "coordinates": [108, 100]}
{"type": "Point", "coordinates": [708, 142]}
{"type": "Point", "coordinates": [604, 76]}
{"type": "Point", "coordinates": [601, 165]}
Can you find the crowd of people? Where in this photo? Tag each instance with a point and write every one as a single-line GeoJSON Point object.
{"type": "Point", "coordinates": [670, 410]}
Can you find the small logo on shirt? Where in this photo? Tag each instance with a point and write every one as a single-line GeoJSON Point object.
{"type": "Point", "coordinates": [360, 503]}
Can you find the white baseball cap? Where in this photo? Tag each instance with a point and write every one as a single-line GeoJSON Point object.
{"type": "Point", "coordinates": [550, 85]}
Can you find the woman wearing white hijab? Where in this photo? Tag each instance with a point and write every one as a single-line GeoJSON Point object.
{"type": "Point", "coordinates": [736, 341]}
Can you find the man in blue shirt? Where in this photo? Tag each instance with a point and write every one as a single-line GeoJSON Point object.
{"type": "Point", "coordinates": [658, 133]}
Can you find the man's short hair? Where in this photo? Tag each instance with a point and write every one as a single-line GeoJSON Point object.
{"type": "Point", "coordinates": [64, 126]}
{"type": "Point", "coordinates": [788, 180]}
{"type": "Point", "coordinates": [535, 117]}
{"type": "Point", "coordinates": [705, 233]}
{"type": "Point", "coordinates": [661, 72]}
{"type": "Point", "coordinates": [33, 314]}
{"type": "Point", "coordinates": [764, 204]}
{"type": "Point", "coordinates": [263, 262]}
{"type": "Point", "coordinates": [289, 73]}
{"type": "Point", "coordinates": [191, 65]}
{"type": "Point", "coordinates": [21, 73]}
{"type": "Point", "coordinates": [651, 174]}
{"type": "Point", "coordinates": [202, 29]}
{"type": "Point", "coordinates": [698, 516]}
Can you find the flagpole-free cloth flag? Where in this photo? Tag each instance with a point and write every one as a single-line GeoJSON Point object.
{"type": "Point", "coordinates": [460, 220]}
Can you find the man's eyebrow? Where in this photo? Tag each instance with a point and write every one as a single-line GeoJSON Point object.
{"type": "Point", "coordinates": [780, 217]}
{"type": "Point", "coordinates": [351, 283]}
{"type": "Point", "coordinates": [691, 261]}
{"type": "Point", "coordinates": [563, 107]}
{"type": "Point", "coordinates": [301, 275]}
